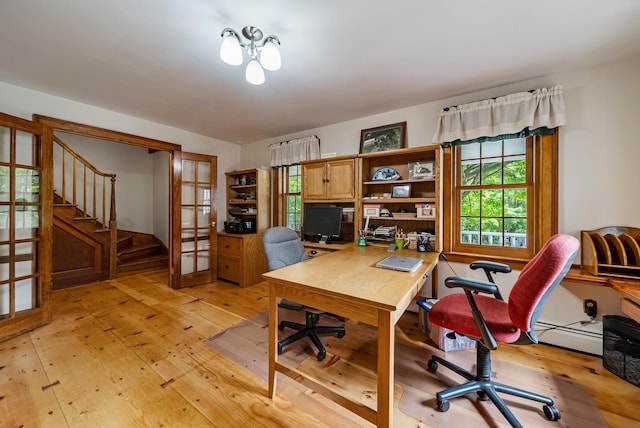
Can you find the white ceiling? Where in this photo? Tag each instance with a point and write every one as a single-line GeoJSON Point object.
{"type": "Point", "coordinates": [342, 59]}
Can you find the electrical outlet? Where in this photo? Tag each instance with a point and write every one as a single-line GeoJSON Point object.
{"type": "Point", "coordinates": [591, 308]}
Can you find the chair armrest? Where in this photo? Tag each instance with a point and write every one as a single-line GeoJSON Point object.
{"type": "Point", "coordinates": [473, 285]}
{"type": "Point", "coordinates": [490, 266]}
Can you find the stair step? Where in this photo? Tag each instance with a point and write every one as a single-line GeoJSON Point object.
{"type": "Point", "coordinates": [144, 264]}
{"type": "Point", "coordinates": [84, 218]}
{"type": "Point", "coordinates": [138, 251]}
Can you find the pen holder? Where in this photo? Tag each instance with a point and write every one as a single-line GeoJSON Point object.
{"type": "Point", "coordinates": [399, 243]}
{"type": "Point", "coordinates": [421, 247]}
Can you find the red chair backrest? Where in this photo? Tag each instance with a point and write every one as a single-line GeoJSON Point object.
{"type": "Point", "coordinates": [539, 278]}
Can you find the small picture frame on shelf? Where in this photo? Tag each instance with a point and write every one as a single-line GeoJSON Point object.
{"type": "Point", "coordinates": [421, 170]}
{"type": "Point", "coordinates": [401, 191]}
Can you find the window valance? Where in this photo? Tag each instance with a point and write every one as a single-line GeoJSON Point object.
{"type": "Point", "coordinates": [294, 151]}
{"type": "Point", "coordinates": [519, 114]}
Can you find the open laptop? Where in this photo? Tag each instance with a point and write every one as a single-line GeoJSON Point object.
{"type": "Point", "coordinates": [401, 263]}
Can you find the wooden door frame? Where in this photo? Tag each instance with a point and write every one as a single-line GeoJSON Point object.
{"type": "Point", "coordinates": [175, 152]}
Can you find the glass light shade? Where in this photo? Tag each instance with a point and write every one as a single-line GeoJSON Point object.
{"type": "Point", "coordinates": [231, 51]}
{"type": "Point", "coordinates": [255, 73]}
{"type": "Point", "coordinates": [270, 56]}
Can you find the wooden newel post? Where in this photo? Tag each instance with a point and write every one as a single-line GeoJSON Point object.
{"type": "Point", "coordinates": [113, 231]}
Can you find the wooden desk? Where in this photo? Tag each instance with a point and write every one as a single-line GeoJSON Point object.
{"type": "Point", "coordinates": [347, 283]}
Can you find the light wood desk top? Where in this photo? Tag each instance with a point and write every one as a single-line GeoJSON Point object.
{"type": "Point", "coordinates": [347, 283]}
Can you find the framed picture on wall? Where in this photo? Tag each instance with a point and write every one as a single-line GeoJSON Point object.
{"type": "Point", "coordinates": [383, 138]}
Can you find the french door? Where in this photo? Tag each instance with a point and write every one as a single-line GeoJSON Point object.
{"type": "Point", "coordinates": [199, 239]}
{"type": "Point", "coordinates": [25, 225]}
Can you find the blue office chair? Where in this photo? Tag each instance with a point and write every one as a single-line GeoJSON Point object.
{"type": "Point", "coordinates": [282, 247]}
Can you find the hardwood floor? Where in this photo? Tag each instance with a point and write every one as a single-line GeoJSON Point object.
{"type": "Point", "coordinates": [130, 352]}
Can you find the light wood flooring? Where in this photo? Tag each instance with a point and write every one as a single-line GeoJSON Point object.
{"type": "Point", "coordinates": [129, 352]}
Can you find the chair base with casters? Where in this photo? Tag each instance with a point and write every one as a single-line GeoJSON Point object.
{"type": "Point", "coordinates": [482, 384]}
{"type": "Point", "coordinates": [309, 329]}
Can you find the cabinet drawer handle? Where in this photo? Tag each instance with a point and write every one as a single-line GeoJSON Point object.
{"type": "Point", "coordinates": [226, 246]}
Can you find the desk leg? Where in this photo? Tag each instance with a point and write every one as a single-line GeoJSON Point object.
{"type": "Point", "coordinates": [273, 339]}
{"type": "Point", "coordinates": [386, 340]}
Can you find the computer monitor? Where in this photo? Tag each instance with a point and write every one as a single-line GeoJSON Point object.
{"type": "Point", "coordinates": [322, 223]}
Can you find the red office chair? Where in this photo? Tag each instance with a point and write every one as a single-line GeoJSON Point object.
{"type": "Point", "coordinates": [488, 320]}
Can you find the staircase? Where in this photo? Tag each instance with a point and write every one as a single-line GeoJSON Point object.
{"type": "Point", "coordinates": [81, 248]}
{"type": "Point", "coordinates": [87, 245]}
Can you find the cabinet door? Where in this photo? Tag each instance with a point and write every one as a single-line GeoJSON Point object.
{"type": "Point", "coordinates": [340, 179]}
{"type": "Point", "coordinates": [314, 181]}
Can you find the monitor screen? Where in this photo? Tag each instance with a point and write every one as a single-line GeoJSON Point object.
{"type": "Point", "coordinates": [322, 222]}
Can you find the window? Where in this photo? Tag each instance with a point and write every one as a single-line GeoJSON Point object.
{"type": "Point", "coordinates": [500, 197]}
{"type": "Point", "coordinates": [289, 204]}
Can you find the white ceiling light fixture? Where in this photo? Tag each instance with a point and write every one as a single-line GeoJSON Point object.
{"type": "Point", "coordinates": [261, 56]}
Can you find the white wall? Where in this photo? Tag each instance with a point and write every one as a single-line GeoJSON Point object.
{"type": "Point", "coordinates": [599, 152]}
{"type": "Point", "coordinates": [161, 196]}
{"type": "Point", "coordinates": [24, 103]}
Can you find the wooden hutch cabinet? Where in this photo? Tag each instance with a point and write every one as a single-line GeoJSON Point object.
{"type": "Point", "coordinates": [332, 182]}
{"type": "Point", "coordinates": [240, 255]}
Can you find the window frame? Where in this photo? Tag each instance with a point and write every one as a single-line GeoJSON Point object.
{"type": "Point", "coordinates": [542, 160]}
{"type": "Point", "coordinates": [281, 179]}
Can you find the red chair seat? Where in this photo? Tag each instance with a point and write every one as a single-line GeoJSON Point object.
{"type": "Point", "coordinates": [495, 312]}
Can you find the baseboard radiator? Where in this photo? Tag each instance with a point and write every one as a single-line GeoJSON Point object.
{"type": "Point", "coordinates": [572, 337]}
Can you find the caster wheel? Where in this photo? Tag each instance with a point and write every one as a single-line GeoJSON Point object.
{"type": "Point", "coordinates": [341, 335]}
{"type": "Point", "coordinates": [432, 366]}
{"type": "Point", "coordinates": [551, 412]}
{"type": "Point", "coordinates": [321, 355]}
{"type": "Point", "coordinates": [443, 405]}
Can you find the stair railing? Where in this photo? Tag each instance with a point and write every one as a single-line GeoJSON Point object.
{"type": "Point", "coordinates": [97, 188]}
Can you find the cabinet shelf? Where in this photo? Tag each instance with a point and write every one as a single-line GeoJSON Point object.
{"type": "Point", "coordinates": [381, 182]}
{"type": "Point", "coordinates": [399, 201]}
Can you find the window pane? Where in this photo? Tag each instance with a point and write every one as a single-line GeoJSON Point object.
{"type": "Point", "coordinates": [492, 149]}
{"type": "Point", "coordinates": [470, 203]}
{"type": "Point", "coordinates": [470, 230]}
{"type": "Point", "coordinates": [491, 231]}
{"type": "Point", "coordinates": [515, 146]}
{"type": "Point", "coordinates": [470, 151]}
{"type": "Point", "coordinates": [492, 171]}
{"type": "Point", "coordinates": [515, 233]}
{"type": "Point", "coordinates": [515, 170]}
{"type": "Point", "coordinates": [470, 173]}
{"type": "Point", "coordinates": [515, 203]}
{"type": "Point", "coordinates": [492, 203]}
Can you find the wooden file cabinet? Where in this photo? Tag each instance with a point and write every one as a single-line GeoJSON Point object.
{"type": "Point", "coordinates": [241, 258]}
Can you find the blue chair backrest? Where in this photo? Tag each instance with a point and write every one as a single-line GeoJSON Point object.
{"type": "Point", "coordinates": [282, 247]}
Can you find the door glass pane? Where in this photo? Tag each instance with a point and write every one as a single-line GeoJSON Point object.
{"type": "Point", "coordinates": [187, 263]}
{"type": "Point", "coordinates": [27, 221]}
{"type": "Point", "coordinates": [27, 185]}
{"type": "Point", "coordinates": [5, 184]}
{"type": "Point", "coordinates": [25, 258]}
{"type": "Point", "coordinates": [188, 194]}
{"type": "Point", "coordinates": [204, 194]}
{"type": "Point", "coordinates": [25, 294]}
{"type": "Point", "coordinates": [188, 170]}
{"type": "Point", "coordinates": [188, 217]}
{"type": "Point", "coordinates": [203, 261]}
{"type": "Point", "coordinates": [5, 144]}
{"type": "Point", "coordinates": [203, 215]}
{"type": "Point", "coordinates": [4, 262]}
{"type": "Point", "coordinates": [26, 148]}
{"type": "Point", "coordinates": [204, 171]}
{"type": "Point", "coordinates": [4, 222]}
{"type": "Point", "coordinates": [4, 299]}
